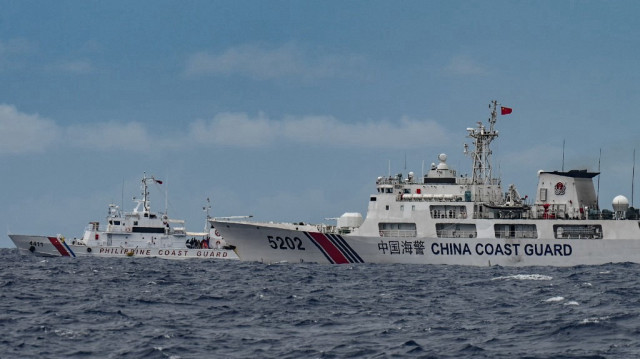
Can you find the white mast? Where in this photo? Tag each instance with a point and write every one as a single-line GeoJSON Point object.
{"type": "Point", "coordinates": [481, 154]}
{"type": "Point", "coordinates": [145, 193]}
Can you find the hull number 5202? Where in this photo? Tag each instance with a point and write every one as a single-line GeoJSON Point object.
{"type": "Point", "coordinates": [286, 243]}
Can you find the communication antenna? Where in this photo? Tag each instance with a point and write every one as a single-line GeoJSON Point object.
{"type": "Point", "coordinates": [122, 195]}
{"type": "Point", "coordinates": [633, 173]}
{"type": "Point", "coordinates": [563, 154]}
{"type": "Point", "coordinates": [166, 197]}
{"type": "Point", "coordinates": [405, 161]}
{"type": "Point", "coordinates": [598, 192]}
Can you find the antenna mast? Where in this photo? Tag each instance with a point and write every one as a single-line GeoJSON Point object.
{"type": "Point", "coordinates": [206, 209]}
{"type": "Point", "coordinates": [598, 193]}
{"type": "Point", "coordinates": [481, 155]}
{"type": "Point", "coordinates": [633, 174]}
{"type": "Point", "coordinates": [145, 194]}
{"type": "Point", "coordinates": [563, 154]}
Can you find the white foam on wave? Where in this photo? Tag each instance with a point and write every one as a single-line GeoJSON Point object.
{"type": "Point", "coordinates": [524, 277]}
{"type": "Point", "coordinates": [573, 302]}
{"type": "Point", "coordinates": [68, 333]}
{"type": "Point", "coordinates": [555, 299]}
{"type": "Point", "coordinates": [593, 320]}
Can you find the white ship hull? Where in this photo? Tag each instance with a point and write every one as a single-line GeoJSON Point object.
{"type": "Point", "coordinates": [271, 243]}
{"type": "Point", "coordinates": [55, 247]}
{"type": "Point", "coordinates": [443, 217]}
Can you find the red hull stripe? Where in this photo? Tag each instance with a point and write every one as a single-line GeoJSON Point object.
{"type": "Point", "coordinates": [319, 248]}
{"type": "Point", "coordinates": [56, 243]}
{"type": "Point", "coordinates": [330, 248]}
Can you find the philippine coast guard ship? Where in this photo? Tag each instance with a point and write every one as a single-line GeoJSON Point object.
{"type": "Point", "coordinates": [443, 218]}
{"type": "Point", "coordinates": [140, 233]}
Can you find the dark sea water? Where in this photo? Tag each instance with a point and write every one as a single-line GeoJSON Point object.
{"type": "Point", "coordinates": [154, 308]}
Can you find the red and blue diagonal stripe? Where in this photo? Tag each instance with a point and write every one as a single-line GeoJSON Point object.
{"type": "Point", "coordinates": [334, 248]}
{"type": "Point", "coordinates": [62, 247]}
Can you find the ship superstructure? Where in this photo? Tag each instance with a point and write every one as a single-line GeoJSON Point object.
{"type": "Point", "coordinates": [444, 217]}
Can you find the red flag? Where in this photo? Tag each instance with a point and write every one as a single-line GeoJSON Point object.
{"type": "Point", "coordinates": [505, 110]}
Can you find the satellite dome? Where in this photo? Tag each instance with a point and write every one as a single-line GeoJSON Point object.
{"type": "Point", "coordinates": [443, 162]}
{"type": "Point", "coordinates": [620, 203]}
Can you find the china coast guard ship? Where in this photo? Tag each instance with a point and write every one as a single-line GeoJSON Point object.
{"type": "Point", "coordinates": [139, 233]}
{"type": "Point", "coordinates": [443, 218]}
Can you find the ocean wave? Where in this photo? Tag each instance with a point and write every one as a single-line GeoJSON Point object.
{"type": "Point", "coordinates": [524, 277]}
{"type": "Point", "coordinates": [130, 308]}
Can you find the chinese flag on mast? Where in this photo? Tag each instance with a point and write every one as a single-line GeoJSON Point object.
{"type": "Point", "coordinates": [505, 110]}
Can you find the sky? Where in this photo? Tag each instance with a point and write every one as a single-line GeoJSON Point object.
{"type": "Point", "coordinates": [289, 110]}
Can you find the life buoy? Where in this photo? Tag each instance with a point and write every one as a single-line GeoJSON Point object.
{"type": "Point", "coordinates": [381, 235]}
{"type": "Point", "coordinates": [128, 229]}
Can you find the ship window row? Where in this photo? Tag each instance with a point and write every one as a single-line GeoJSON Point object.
{"type": "Point", "coordinates": [520, 231]}
{"type": "Point", "coordinates": [148, 229]}
{"type": "Point", "coordinates": [578, 231]}
{"type": "Point", "coordinates": [456, 230]}
{"type": "Point", "coordinates": [448, 211]}
{"type": "Point", "coordinates": [385, 189]}
{"type": "Point", "coordinates": [396, 229]}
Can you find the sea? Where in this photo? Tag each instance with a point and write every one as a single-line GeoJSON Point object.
{"type": "Point", "coordinates": [156, 308]}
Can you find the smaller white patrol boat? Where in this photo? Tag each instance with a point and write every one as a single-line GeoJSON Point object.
{"type": "Point", "coordinates": [140, 233]}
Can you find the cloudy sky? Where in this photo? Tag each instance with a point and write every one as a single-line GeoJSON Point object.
{"type": "Point", "coordinates": [289, 110]}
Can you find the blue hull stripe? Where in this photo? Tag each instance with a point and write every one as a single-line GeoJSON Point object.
{"type": "Point", "coordinates": [348, 248]}
{"type": "Point", "coordinates": [69, 249]}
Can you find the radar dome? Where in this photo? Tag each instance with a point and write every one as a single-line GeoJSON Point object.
{"type": "Point", "coordinates": [620, 203]}
{"type": "Point", "coordinates": [443, 162]}
{"type": "Point", "coordinates": [350, 220]}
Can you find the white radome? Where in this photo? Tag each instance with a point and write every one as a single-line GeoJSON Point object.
{"type": "Point", "coordinates": [620, 203]}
